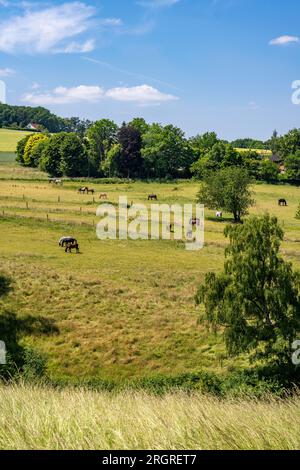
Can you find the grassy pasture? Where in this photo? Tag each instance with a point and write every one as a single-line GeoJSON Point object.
{"type": "Point", "coordinates": [122, 309]}
{"type": "Point", "coordinates": [42, 418]}
{"type": "Point", "coordinates": [10, 138]}
{"type": "Point", "coordinates": [7, 158]}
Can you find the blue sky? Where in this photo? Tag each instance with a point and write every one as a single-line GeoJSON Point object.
{"type": "Point", "coordinates": [223, 65]}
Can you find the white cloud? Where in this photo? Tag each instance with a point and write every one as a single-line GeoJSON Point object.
{"type": "Point", "coordinates": [35, 86]}
{"type": "Point", "coordinates": [63, 95]}
{"type": "Point", "coordinates": [45, 30]}
{"type": "Point", "coordinates": [111, 22]}
{"type": "Point", "coordinates": [78, 48]}
{"type": "Point", "coordinates": [284, 40]}
{"type": "Point", "coordinates": [143, 94]}
{"type": "Point", "coordinates": [6, 72]}
{"type": "Point", "coordinates": [253, 106]}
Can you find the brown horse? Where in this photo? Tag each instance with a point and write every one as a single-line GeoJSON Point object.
{"type": "Point", "coordinates": [103, 196]}
{"type": "Point", "coordinates": [88, 191]}
{"type": "Point", "coordinates": [72, 246]}
{"type": "Point", "coordinates": [152, 197]}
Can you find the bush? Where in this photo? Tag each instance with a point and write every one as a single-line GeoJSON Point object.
{"type": "Point", "coordinates": [34, 365]}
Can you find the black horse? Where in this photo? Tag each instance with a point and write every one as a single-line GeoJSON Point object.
{"type": "Point", "coordinates": [282, 202]}
{"type": "Point", "coordinates": [64, 240]}
{"type": "Point", "coordinates": [72, 246]}
{"type": "Point", "coordinates": [152, 197]}
{"type": "Point", "coordinates": [194, 221]}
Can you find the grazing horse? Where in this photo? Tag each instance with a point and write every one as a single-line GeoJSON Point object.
{"type": "Point", "coordinates": [72, 246]}
{"type": "Point", "coordinates": [103, 196]}
{"type": "Point", "coordinates": [65, 240]}
{"type": "Point", "coordinates": [219, 215]}
{"type": "Point", "coordinates": [55, 181]}
{"type": "Point", "coordinates": [152, 197]}
{"type": "Point", "coordinates": [194, 222]}
{"type": "Point", "coordinates": [92, 191]}
{"type": "Point", "coordinates": [282, 202]}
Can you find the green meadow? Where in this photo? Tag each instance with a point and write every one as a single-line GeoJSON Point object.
{"type": "Point", "coordinates": [119, 309]}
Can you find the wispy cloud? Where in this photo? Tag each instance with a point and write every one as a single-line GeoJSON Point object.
{"type": "Point", "coordinates": [128, 73]}
{"type": "Point", "coordinates": [142, 95]}
{"type": "Point", "coordinates": [157, 3]}
{"type": "Point", "coordinates": [151, 10]}
{"type": "Point", "coordinates": [77, 48]}
{"type": "Point", "coordinates": [284, 41]}
{"type": "Point", "coordinates": [51, 29]}
{"type": "Point", "coordinates": [44, 30]}
{"type": "Point", "coordinates": [111, 22]}
{"type": "Point", "coordinates": [6, 72]}
{"type": "Point", "coordinates": [253, 106]}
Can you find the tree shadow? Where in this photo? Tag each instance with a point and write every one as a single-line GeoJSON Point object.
{"type": "Point", "coordinates": [222, 220]}
{"type": "Point", "coordinates": [13, 328]}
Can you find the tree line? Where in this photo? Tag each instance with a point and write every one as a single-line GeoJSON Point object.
{"type": "Point", "coordinates": [141, 150]}
{"type": "Point", "coordinates": [18, 117]}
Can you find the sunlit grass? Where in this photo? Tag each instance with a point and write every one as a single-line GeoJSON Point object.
{"type": "Point", "coordinates": [42, 418]}
{"type": "Point", "coordinates": [123, 308]}
{"type": "Point", "coordinates": [10, 138]}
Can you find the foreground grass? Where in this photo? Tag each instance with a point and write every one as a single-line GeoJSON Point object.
{"type": "Point", "coordinates": [43, 418]}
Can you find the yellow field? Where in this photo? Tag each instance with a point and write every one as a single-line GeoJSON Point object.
{"type": "Point", "coordinates": [266, 153]}
{"type": "Point", "coordinates": [10, 138]}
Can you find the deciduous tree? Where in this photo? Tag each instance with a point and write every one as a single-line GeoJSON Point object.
{"type": "Point", "coordinates": [255, 301]}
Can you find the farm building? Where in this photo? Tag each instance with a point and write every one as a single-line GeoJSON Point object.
{"type": "Point", "coordinates": [33, 127]}
{"type": "Point", "coordinates": [277, 159]}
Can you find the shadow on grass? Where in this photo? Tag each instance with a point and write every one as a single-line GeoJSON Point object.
{"type": "Point", "coordinates": [223, 220]}
{"type": "Point", "coordinates": [14, 328]}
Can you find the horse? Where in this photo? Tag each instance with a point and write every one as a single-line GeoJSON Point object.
{"type": "Point", "coordinates": [103, 196]}
{"type": "Point", "coordinates": [72, 246]}
{"type": "Point", "coordinates": [92, 191]}
{"type": "Point", "coordinates": [194, 221]}
{"type": "Point", "coordinates": [219, 215]}
{"type": "Point", "coordinates": [64, 240]}
{"type": "Point", "coordinates": [282, 202]}
{"type": "Point", "coordinates": [55, 181]}
{"type": "Point", "coordinates": [152, 197]}
{"type": "Point", "coordinates": [83, 190]}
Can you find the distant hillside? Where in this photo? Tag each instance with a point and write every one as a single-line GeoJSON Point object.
{"type": "Point", "coordinates": [21, 116]}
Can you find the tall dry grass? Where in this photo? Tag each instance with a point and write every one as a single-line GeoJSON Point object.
{"type": "Point", "coordinates": [43, 418]}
